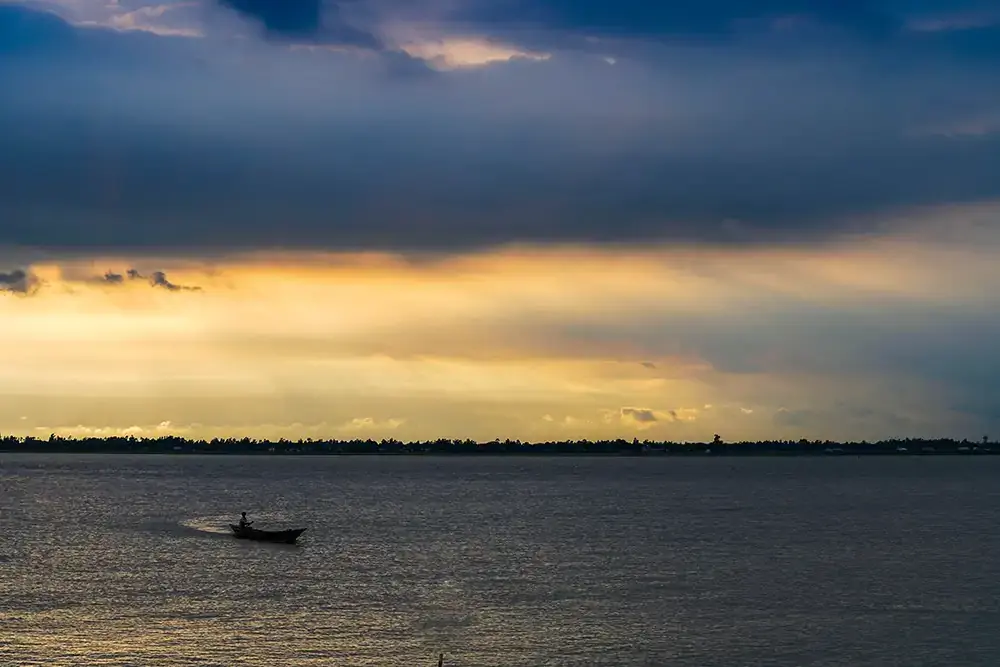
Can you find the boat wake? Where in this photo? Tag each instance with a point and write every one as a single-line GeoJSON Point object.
{"type": "Point", "coordinates": [218, 525]}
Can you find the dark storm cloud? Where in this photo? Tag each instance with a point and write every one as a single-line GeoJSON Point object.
{"type": "Point", "coordinates": [123, 142]}
{"type": "Point", "coordinates": [619, 25]}
{"type": "Point", "coordinates": [313, 21]}
{"type": "Point", "coordinates": [27, 30]}
{"type": "Point", "coordinates": [631, 18]}
{"type": "Point", "coordinates": [642, 415]}
{"type": "Point", "coordinates": [18, 281]}
{"type": "Point", "coordinates": [156, 279]}
{"type": "Point", "coordinates": [891, 38]}
{"type": "Point", "coordinates": [284, 17]}
{"type": "Point", "coordinates": [159, 279]}
{"type": "Point", "coordinates": [137, 197]}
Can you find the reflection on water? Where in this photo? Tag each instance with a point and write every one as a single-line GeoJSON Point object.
{"type": "Point", "coordinates": [129, 561]}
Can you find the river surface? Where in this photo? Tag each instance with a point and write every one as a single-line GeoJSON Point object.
{"type": "Point", "coordinates": [126, 560]}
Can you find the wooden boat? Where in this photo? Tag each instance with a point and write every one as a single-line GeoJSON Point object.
{"type": "Point", "coordinates": [249, 533]}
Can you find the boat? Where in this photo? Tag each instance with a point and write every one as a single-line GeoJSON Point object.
{"type": "Point", "coordinates": [248, 533]}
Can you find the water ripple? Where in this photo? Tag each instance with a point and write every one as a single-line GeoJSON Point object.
{"type": "Point", "coordinates": [498, 562]}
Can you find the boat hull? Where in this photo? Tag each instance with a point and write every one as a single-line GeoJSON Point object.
{"type": "Point", "coordinates": [282, 536]}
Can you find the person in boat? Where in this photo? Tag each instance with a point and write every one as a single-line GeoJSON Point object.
{"type": "Point", "coordinates": [244, 523]}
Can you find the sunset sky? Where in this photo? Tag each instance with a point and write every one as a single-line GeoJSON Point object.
{"type": "Point", "coordinates": [534, 219]}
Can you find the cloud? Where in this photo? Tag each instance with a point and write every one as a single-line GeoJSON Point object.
{"type": "Point", "coordinates": [312, 21]}
{"type": "Point", "coordinates": [164, 428]}
{"type": "Point", "coordinates": [285, 17]}
{"type": "Point", "coordinates": [155, 279]}
{"type": "Point", "coordinates": [982, 125]}
{"type": "Point", "coordinates": [953, 22]}
{"type": "Point", "coordinates": [149, 144]}
{"type": "Point", "coordinates": [156, 19]}
{"type": "Point", "coordinates": [365, 427]}
{"type": "Point", "coordinates": [159, 279]}
{"type": "Point", "coordinates": [684, 414]}
{"type": "Point", "coordinates": [894, 331]}
{"type": "Point", "coordinates": [638, 18]}
{"type": "Point", "coordinates": [644, 418]}
{"type": "Point", "coordinates": [27, 281]}
{"type": "Point", "coordinates": [820, 422]}
{"type": "Point", "coordinates": [455, 53]}
{"type": "Point", "coordinates": [24, 30]}
{"type": "Point", "coordinates": [371, 424]}
{"type": "Point", "coordinates": [18, 281]}
{"type": "Point", "coordinates": [795, 418]}
{"type": "Point", "coordinates": [635, 28]}
{"type": "Point", "coordinates": [631, 27]}
{"type": "Point", "coordinates": [639, 415]}
{"type": "Point", "coordinates": [568, 422]}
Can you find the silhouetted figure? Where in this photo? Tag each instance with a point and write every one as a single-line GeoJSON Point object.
{"type": "Point", "coordinates": [243, 521]}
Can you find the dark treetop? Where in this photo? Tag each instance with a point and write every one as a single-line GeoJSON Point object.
{"type": "Point", "coordinates": [391, 447]}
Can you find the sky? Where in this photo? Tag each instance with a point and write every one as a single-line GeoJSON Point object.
{"type": "Point", "coordinates": [536, 220]}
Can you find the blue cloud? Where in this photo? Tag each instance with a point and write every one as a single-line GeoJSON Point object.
{"type": "Point", "coordinates": [311, 21]}
{"type": "Point", "coordinates": [706, 18]}
{"type": "Point", "coordinates": [780, 27]}
{"type": "Point", "coordinates": [287, 17]}
{"type": "Point", "coordinates": [136, 141]}
{"type": "Point", "coordinates": [24, 30]}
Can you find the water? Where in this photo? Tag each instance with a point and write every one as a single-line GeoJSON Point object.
{"type": "Point", "coordinates": [109, 560]}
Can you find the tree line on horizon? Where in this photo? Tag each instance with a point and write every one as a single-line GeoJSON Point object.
{"type": "Point", "coordinates": [717, 446]}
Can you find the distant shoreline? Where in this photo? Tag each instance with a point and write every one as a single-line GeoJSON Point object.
{"type": "Point", "coordinates": [246, 446]}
